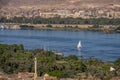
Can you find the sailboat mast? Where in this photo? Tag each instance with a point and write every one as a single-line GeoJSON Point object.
{"type": "Point", "coordinates": [79, 45]}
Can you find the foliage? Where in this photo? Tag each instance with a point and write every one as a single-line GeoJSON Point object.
{"type": "Point", "coordinates": [72, 57]}
{"type": "Point", "coordinates": [57, 20]}
{"type": "Point", "coordinates": [14, 59]}
{"type": "Point", "coordinates": [56, 73]}
{"type": "Point", "coordinates": [26, 27]}
{"type": "Point", "coordinates": [49, 25]}
{"type": "Point", "coordinates": [117, 66]}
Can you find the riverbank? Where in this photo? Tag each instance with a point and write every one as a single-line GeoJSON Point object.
{"type": "Point", "coordinates": [71, 27]}
{"type": "Point", "coordinates": [74, 27]}
{"type": "Point", "coordinates": [15, 59]}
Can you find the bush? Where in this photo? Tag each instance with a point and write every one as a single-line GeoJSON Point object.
{"type": "Point", "coordinates": [49, 26]}
{"type": "Point", "coordinates": [56, 73]}
{"type": "Point", "coordinates": [72, 57]}
{"type": "Point", "coordinates": [26, 27]}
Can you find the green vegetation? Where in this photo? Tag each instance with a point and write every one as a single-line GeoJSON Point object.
{"type": "Point", "coordinates": [14, 59]}
{"type": "Point", "coordinates": [57, 20]}
{"type": "Point", "coordinates": [99, 24]}
{"type": "Point", "coordinates": [117, 29]}
{"type": "Point", "coordinates": [26, 27]}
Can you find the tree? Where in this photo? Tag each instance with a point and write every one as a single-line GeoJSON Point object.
{"type": "Point", "coordinates": [72, 57]}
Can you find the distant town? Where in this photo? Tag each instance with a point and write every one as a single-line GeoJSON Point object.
{"type": "Point", "coordinates": [111, 11]}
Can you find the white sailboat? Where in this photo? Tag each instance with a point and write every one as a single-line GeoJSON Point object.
{"type": "Point", "coordinates": [2, 27]}
{"type": "Point", "coordinates": [79, 46]}
{"type": "Point", "coordinates": [112, 69]}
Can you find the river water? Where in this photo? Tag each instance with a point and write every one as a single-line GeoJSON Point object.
{"type": "Point", "coordinates": [99, 45]}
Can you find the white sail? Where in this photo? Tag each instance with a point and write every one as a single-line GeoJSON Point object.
{"type": "Point", "coordinates": [2, 27]}
{"type": "Point", "coordinates": [79, 45]}
{"type": "Point", "coordinates": [112, 69]}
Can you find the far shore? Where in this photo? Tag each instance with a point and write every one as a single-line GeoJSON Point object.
{"type": "Point", "coordinates": [72, 27]}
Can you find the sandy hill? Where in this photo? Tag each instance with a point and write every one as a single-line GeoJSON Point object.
{"type": "Point", "coordinates": [57, 3]}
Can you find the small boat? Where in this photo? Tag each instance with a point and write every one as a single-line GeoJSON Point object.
{"type": "Point", "coordinates": [79, 46]}
{"type": "Point", "coordinates": [112, 69]}
{"type": "Point", "coordinates": [2, 27]}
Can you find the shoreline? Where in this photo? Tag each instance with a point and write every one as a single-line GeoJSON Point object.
{"type": "Point", "coordinates": [49, 62]}
{"type": "Point", "coordinates": [66, 27]}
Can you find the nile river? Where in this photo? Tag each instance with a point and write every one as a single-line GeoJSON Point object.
{"type": "Point", "coordinates": [99, 45]}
